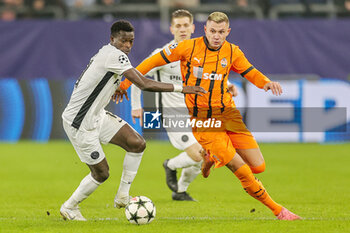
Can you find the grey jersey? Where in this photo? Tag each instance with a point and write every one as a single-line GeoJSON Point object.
{"type": "Point", "coordinates": [93, 90]}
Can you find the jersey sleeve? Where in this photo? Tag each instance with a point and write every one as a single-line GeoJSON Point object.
{"type": "Point", "coordinates": [174, 52]}
{"type": "Point", "coordinates": [242, 66]}
{"type": "Point", "coordinates": [118, 62]}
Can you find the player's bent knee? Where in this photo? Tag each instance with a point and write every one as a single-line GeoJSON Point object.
{"type": "Point", "coordinates": [196, 156]}
{"type": "Point", "coordinates": [194, 152]}
{"type": "Point", "coordinates": [141, 145]}
{"type": "Point", "coordinates": [258, 169]}
{"type": "Point", "coordinates": [137, 145]}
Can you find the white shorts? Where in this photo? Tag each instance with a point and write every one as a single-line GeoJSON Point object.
{"type": "Point", "coordinates": [87, 143]}
{"type": "Point", "coordinates": [181, 140]}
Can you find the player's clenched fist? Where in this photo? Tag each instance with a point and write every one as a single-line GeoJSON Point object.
{"type": "Point", "coordinates": [193, 90]}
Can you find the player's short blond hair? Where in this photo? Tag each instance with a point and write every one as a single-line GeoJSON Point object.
{"type": "Point", "coordinates": [181, 14]}
{"type": "Point", "coordinates": [218, 17]}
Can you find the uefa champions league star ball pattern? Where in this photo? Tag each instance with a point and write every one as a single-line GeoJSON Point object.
{"type": "Point", "coordinates": [123, 59]}
{"type": "Point", "coordinates": [140, 210]}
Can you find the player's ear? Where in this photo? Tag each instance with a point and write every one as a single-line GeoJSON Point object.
{"type": "Point", "coordinates": [193, 28]}
{"type": "Point", "coordinates": [228, 31]}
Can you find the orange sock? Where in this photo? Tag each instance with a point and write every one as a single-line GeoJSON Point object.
{"type": "Point", "coordinates": [258, 169]}
{"type": "Point", "coordinates": [254, 188]}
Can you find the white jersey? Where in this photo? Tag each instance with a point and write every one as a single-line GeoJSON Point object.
{"type": "Point", "coordinates": [169, 73]}
{"type": "Point", "coordinates": [171, 103]}
{"type": "Point", "coordinates": [93, 90]}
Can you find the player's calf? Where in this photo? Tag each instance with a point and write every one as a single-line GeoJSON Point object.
{"type": "Point", "coordinates": [100, 171]}
{"type": "Point", "coordinates": [130, 166]}
{"type": "Point", "coordinates": [100, 176]}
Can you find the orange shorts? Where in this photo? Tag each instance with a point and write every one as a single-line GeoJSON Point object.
{"type": "Point", "coordinates": [221, 144]}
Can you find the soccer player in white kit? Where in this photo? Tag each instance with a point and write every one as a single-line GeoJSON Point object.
{"type": "Point", "coordinates": [190, 159]}
{"type": "Point", "coordinates": [87, 124]}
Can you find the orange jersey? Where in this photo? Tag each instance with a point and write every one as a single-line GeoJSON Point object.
{"type": "Point", "coordinates": [205, 67]}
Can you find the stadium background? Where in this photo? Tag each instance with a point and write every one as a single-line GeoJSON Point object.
{"type": "Point", "coordinates": [41, 59]}
{"type": "Point", "coordinates": [304, 44]}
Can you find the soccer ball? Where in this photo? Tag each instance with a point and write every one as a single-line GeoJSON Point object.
{"type": "Point", "coordinates": [140, 210]}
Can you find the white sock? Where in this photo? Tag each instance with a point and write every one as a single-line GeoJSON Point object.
{"type": "Point", "coordinates": [181, 161]}
{"type": "Point", "coordinates": [188, 174]}
{"type": "Point", "coordinates": [130, 166]}
{"type": "Point", "coordinates": [87, 186]}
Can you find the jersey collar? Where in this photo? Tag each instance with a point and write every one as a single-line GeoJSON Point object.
{"type": "Point", "coordinates": [207, 44]}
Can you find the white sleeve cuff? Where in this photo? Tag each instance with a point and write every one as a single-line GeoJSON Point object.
{"type": "Point", "coordinates": [177, 88]}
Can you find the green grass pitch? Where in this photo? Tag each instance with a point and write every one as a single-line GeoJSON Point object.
{"type": "Point", "coordinates": [311, 180]}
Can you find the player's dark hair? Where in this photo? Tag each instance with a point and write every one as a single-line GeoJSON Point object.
{"type": "Point", "coordinates": [121, 25]}
{"type": "Point", "coordinates": [180, 14]}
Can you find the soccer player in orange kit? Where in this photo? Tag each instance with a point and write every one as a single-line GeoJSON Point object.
{"type": "Point", "coordinates": [206, 61]}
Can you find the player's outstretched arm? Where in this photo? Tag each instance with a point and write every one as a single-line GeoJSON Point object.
{"type": "Point", "coordinates": [146, 84]}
